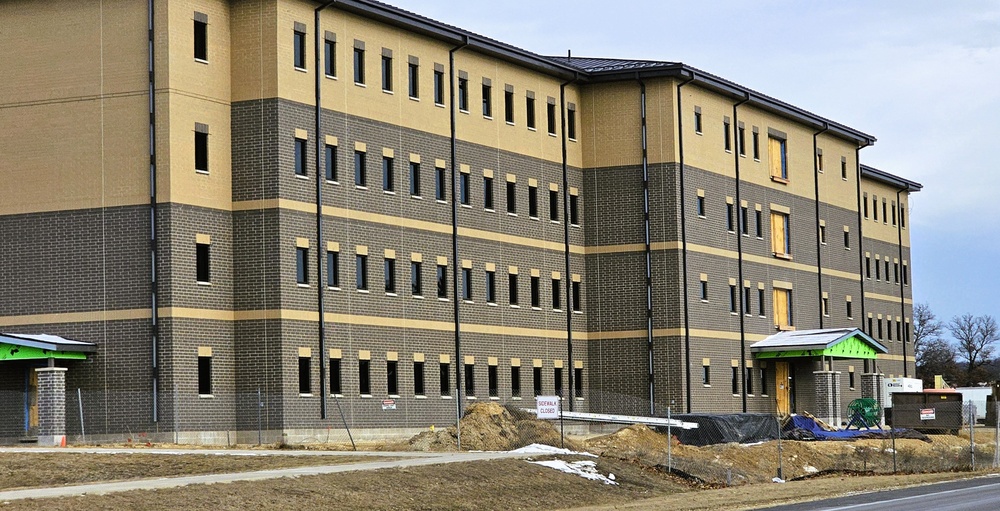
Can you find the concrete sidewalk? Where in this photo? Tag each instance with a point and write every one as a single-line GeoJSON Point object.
{"type": "Point", "coordinates": [415, 459]}
{"type": "Point", "coordinates": [217, 452]}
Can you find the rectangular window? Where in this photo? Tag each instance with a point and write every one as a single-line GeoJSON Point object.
{"type": "Point", "coordinates": [706, 374]}
{"type": "Point", "coordinates": [487, 100]}
{"type": "Point", "coordinates": [488, 193]}
{"type": "Point", "coordinates": [736, 380]}
{"type": "Point", "coordinates": [730, 221]}
{"type": "Point", "coordinates": [361, 269]}
{"type": "Point", "coordinates": [205, 375]}
{"type": "Point", "coordinates": [359, 65]}
{"type": "Point", "coordinates": [871, 330]}
{"type": "Point", "coordinates": [413, 72]}
{"type": "Point", "coordinates": [577, 304]}
{"type": "Point", "coordinates": [557, 379]}
{"type": "Point", "coordinates": [389, 269]}
{"type": "Point", "coordinates": [744, 221]}
{"type": "Point", "coordinates": [906, 275]}
{"type": "Point", "coordinates": [418, 379]}
{"type": "Point", "coordinates": [467, 284]}
{"type": "Point", "coordinates": [868, 266]}
{"type": "Point", "coordinates": [703, 294]}
{"type": "Point", "coordinates": [508, 106]}
{"type": "Point", "coordinates": [748, 380]}
{"type": "Point", "coordinates": [885, 217]}
{"type": "Point", "coordinates": [850, 309]}
{"type": "Point", "coordinates": [760, 303]}
{"type": "Point", "coordinates": [551, 111]}
{"type": "Point", "coordinates": [299, 40]}
{"type": "Point", "coordinates": [895, 271]}
{"type": "Point", "coordinates": [416, 281]}
{"type": "Point", "coordinates": [533, 201]}
{"type": "Point", "coordinates": [203, 262]}
{"type": "Point", "coordinates": [700, 206]}
{"type": "Point", "coordinates": [756, 145]}
{"type": "Point", "coordinates": [511, 197]}
{"type": "Point", "coordinates": [578, 382]}
{"type": "Point", "coordinates": [697, 121]}
{"type": "Point", "coordinates": [783, 308]}
{"type": "Point", "coordinates": [330, 58]}
{"type": "Point", "coordinates": [386, 73]}
{"type": "Point", "coordinates": [201, 148]}
{"type": "Point", "coordinates": [762, 374]}
{"type": "Point", "coordinates": [442, 281]}
{"type": "Point", "coordinates": [777, 152]}
{"type": "Point", "coordinates": [463, 94]}
{"type": "Point", "coordinates": [864, 204]}
{"type": "Point", "coordinates": [902, 215]}
{"type": "Point", "coordinates": [571, 124]}
{"type": "Point", "coordinates": [336, 378]}
{"type": "Point", "coordinates": [878, 269]}
{"type": "Point", "coordinates": [553, 205]}
{"type": "Point", "coordinates": [888, 328]}
{"type": "Point", "coordinates": [392, 377]}
{"type": "Point", "coordinates": [331, 163]}
{"type": "Point", "coordinates": [512, 288]}
{"type": "Point", "coordinates": [741, 140]}
{"type": "Point", "coordinates": [440, 184]}
{"type": "Point", "coordinates": [819, 161]}
{"type": "Point", "coordinates": [360, 173]}
{"type": "Point", "coordinates": [536, 373]}
{"type": "Point", "coordinates": [515, 381]}
{"type": "Point", "coordinates": [470, 380]}
{"type": "Point", "coordinates": [414, 179]}
{"type": "Point", "coordinates": [200, 36]}
{"type": "Point", "coordinates": [438, 87]}
{"type": "Point", "coordinates": [556, 295]}
{"type": "Point", "coordinates": [843, 170]}
{"type": "Point", "coordinates": [536, 294]}
{"type": "Point", "coordinates": [758, 217]}
{"type": "Point", "coordinates": [879, 323]}
{"type": "Point", "coordinates": [491, 287]}
{"type": "Point", "coordinates": [732, 298]}
{"type": "Point", "coordinates": [574, 215]}
{"type": "Point", "coordinates": [305, 381]}
{"type": "Point", "coordinates": [850, 379]}
{"type": "Point", "coordinates": [825, 306]}
{"type": "Point", "coordinates": [388, 174]}
{"type": "Point", "coordinates": [302, 265]}
{"type": "Point", "coordinates": [365, 377]}
{"type": "Point", "coordinates": [492, 381]}
{"type": "Point", "coordinates": [887, 268]}
{"type": "Point", "coordinates": [332, 268]}
{"type": "Point", "coordinates": [781, 242]}
{"type": "Point", "coordinates": [463, 189]}
{"type": "Point", "coordinates": [875, 208]}
{"type": "Point", "coordinates": [847, 239]}
{"type": "Point", "coordinates": [445, 379]}
{"type": "Point", "coordinates": [822, 234]}
{"type": "Point", "coordinates": [727, 137]}
{"type": "Point", "coordinates": [529, 113]}
{"type": "Point", "coordinates": [746, 300]}
{"type": "Point", "coordinates": [300, 157]}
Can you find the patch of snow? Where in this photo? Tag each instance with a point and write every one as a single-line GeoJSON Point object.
{"type": "Point", "coordinates": [809, 469]}
{"type": "Point", "coordinates": [751, 444]}
{"type": "Point", "coordinates": [584, 469]}
{"type": "Point", "coordinates": [777, 480]}
{"type": "Point", "coordinates": [548, 449]}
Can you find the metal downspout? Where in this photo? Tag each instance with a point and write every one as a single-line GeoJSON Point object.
{"type": "Point", "coordinates": [152, 219]}
{"type": "Point", "coordinates": [739, 266]}
{"type": "Point", "coordinates": [684, 259]}
{"type": "Point", "coordinates": [320, 287]}
{"type": "Point", "coordinates": [819, 247]}
{"type": "Point", "coordinates": [902, 287]}
{"type": "Point", "coordinates": [568, 278]}
{"type": "Point", "coordinates": [861, 242]}
{"type": "Point", "coordinates": [648, 252]}
{"type": "Point", "coordinates": [454, 231]}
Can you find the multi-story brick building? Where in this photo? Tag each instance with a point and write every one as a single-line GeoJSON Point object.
{"type": "Point", "coordinates": [455, 210]}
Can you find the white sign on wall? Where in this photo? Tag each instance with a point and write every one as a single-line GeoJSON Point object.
{"type": "Point", "coordinates": [547, 407]}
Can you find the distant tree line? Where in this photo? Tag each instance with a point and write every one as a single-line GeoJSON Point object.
{"type": "Point", "coordinates": [961, 349]}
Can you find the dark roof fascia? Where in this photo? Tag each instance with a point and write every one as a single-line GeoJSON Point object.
{"type": "Point", "coordinates": [50, 346]}
{"type": "Point", "coordinates": [890, 179]}
{"type": "Point", "coordinates": [455, 36]}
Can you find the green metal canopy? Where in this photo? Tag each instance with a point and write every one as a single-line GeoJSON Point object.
{"type": "Point", "coordinates": [42, 347]}
{"type": "Point", "coordinates": [831, 342]}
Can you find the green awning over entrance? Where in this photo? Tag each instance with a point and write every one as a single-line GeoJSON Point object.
{"type": "Point", "coordinates": [831, 342]}
{"type": "Point", "coordinates": [42, 347]}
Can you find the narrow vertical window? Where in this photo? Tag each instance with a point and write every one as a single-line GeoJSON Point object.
{"type": "Point", "coordinates": [727, 136]}
{"type": "Point", "coordinates": [359, 64]}
{"type": "Point", "coordinates": [386, 71]}
{"type": "Point", "coordinates": [902, 215]}
{"type": "Point", "coordinates": [536, 294]}
{"type": "Point", "coordinates": [778, 154]}
{"type": "Point", "coordinates": [330, 55]}
{"type": "Point", "coordinates": [492, 381]}
{"type": "Point", "coordinates": [557, 379]}
{"type": "Point", "coordinates": [849, 309]}
{"type": "Point", "coordinates": [894, 209]}
{"type": "Point", "coordinates": [442, 281]}
{"type": "Point", "coordinates": [470, 380]}
{"type": "Point", "coordinates": [515, 381]}
{"type": "Point", "coordinates": [578, 382]}
{"type": "Point", "coordinates": [574, 212]}
{"type": "Point", "coordinates": [512, 288]}
{"type": "Point", "coordinates": [864, 204]}
{"type": "Point", "coordinates": [302, 265]}
{"type": "Point", "coordinates": [756, 144]}
{"type": "Point", "coordinates": [203, 261]}
{"type": "Point", "coordinates": [305, 381]}
{"type": "Point", "coordinates": [822, 234]}
{"type": "Point", "coordinates": [201, 147]}
{"type": "Point", "coordinates": [699, 207]}
{"type": "Point", "coordinates": [440, 184]}
{"type": "Point", "coordinates": [201, 36]}
{"type": "Point", "coordinates": [445, 378]}
{"type": "Point", "coordinates": [511, 197]}
{"type": "Point", "coordinates": [487, 100]}
{"type": "Point", "coordinates": [843, 169]}
{"type": "Point", "coordinates": [508, 105]}
{"type": "Point", "coordinates": [556, 294]}
{"type": "Point", "coordinates": [414, 179]}
{"type": "Point", "coordinates": [392, 377]}
{"type": "Point", "coordinates": [529, 110]}
{"type": "Point", "coordinates": [300, 157]}
{"type": "Point", "coordinates": [697, 120]}
{"type": "Point", "coordinates": [703, 290]}
{"type": "Point", "coordinates": [783, 308]}
{"type": "Point", "coordinates": [906, 274]}
{"type": "Point", "coordinates": [847, 238]}
{"type": "Point", "coordinates": [825, 306]}
{"type": "Point", "coordinates": [759, 221]}
{"type": "Point", "coordinates": [760, 303]}
{"type": "Point", "coordinates": [536, 376]}
{"type": "Point", "coordinates": [299, 42]}
{"type": "Point", "coordinates": [331, 163]}
{"type": "Point", "coordinates": [819, 160]}
{"type": "Point", "coordinates": [551, 111]}
{"type": "Point", "coordinates": [736, 380]}
{"type": "Point", "coordinates": [762, 374]}
{"type": "Point", "coordinates": [746, 300]}
{"type": "Point", "coordinates": [741, 139]}
{"type": "Point", "coordinates": [388, 174]}
{"type": "Point", "coordinates": [488, 193]}
{"type": "Point", "coordinates": [730, 221]}
{"type": "Point", "coordinates": [491, 286]}
{"type": "Point", "coordinates": [781, 245]}
{"type": "Point", "coordinates": [532, 201]}
{"type": "Point", "coordinates": [577, 304]}
{"type": "Point", "coordinates": [875, 208]}
{"type": "Point", "coordinates": [706, 374]}
{"type": "Point", "coordinates": [553, 205]}
{"type": "Point", "coordinates": [418, 378]}
{"type": "Point", "coordinates": [868, 266]}
{"type": "Point", "coordinates": [732, 298]}
{"type": "Point", "coordinates": [850, 378]}
{"type": "Point", "coordinates": [336, 377]}
{"type": "Point", "coordinates": [205, 374]}
{"type": "Point", "coordinates": [361, 272]}
{"type": "Point", "coordinates": [416, 280]}
{"type": "Point", "coordinates": [463, 189]}
{"type": "Point", "coordinates": [467, 284]}
{"type": "Point", "coordinates": [463, 94]}
{"type": "Point", "coordinates": [438, 87]}
{"type": "Point", "coordinates": [365, 377]}
{"type": "Point", "coordinates": [413, 75]}
{"type": "Point", "coordinates": [571, 122]}
{"type": "Point", "coordinates": [332, 269]}
{"type": "Point", "coordinates": [389, 270]}
{"type": "Point", "coordinates": [744, 221]}
{"type": "Point", "coordinates": [748, 381]}
{"type": "Point", "coordinates": [360, 173]}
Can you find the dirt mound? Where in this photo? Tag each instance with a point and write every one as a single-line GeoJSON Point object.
{"type": "Point", "coordinates": [491, 427]}
{"type": "Point", "coordinates": [632, 442]}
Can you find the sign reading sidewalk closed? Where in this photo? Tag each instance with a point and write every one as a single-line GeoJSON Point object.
{"type": "Point", "coordinates": [927, 414]}
{"type": "Point", "coordinates": [547, 407]}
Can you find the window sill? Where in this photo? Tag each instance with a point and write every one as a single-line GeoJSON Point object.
{"type": "Point", "coordinates": [445, 397]}
{"type": "Point", "coordinates": [202, 283]}
{"type": "Point", "coordinates": [702, 216]}
{"type": "Point", "coordinates": [206, 396]}
{"type": "Point", "coordinates": [468, 301]}
{"type": "Point", "coordinates": [394, 396]}
{"type": "Point", "coordinates": [515, 398]}
{"type": "Point", "coordinates": [470, 398]}
{"type": "Point", "coordinates": [360, 187]}
{"type": "Point", "coordinates": [577, 312]}
{"type": "Point", "coordinates": [388, 192]}
{"type": "Point", "coordinates": [532, 217]}
{"type": "Point", "coordinates": [513, 306]}
{"type": "Point", "coordinates": [557, 222]}
{"type": "Point", "coordinates": [553, 135]}
{"type": "Point", "coordinates": [301, 69]}
{"type": "Point", "coordinates": [532, 128]}
{"type": "Point", "coordinates": [822, 243]}
{"type": "Point", "coordinates": [706, 385]}
{"type": "Point", "coordinates": [361, 84]}
{"type": "Point", "coordinates": [338, 396]}
{"type": "Point", "coordinates": [329, 182]}
{"type": "Point", "coordinates": [300, 176]}
{"type": "Point", "coordinates": [494, 398]}
{"type": "Point", "coordinates": [786, 257]}
{"type": "Point", "coordinates": [419, 396]}
{"type": "Point", "coordinates": [466, 112]}
{"type": "Point", "coordinates": [510, 123]}
{"type": "Point", "coordinates": [365, 396]}
{"type": "Point", "coordinates": [332, 288]}
{"type": "Point", "coordinates": [536, 308]}
{"type": "Point", "coordinates": [391, 294]}
{"type": "Point", "coordinates": [699, 133]}
{"type": "Point", "coordinates": [200, 61]}
{"type": "Point", "coordinates": [440, 201]}
{"type": "Point", "coordinates": [413, 98]}
{"type": "Point", "coordinates": [734, 313]}
{"type": "Point", "coordinates": [489, 210]}
{"type": "Point", "coordinates": [364, 291]}
{"type": "Point", "coordinates": [303, 285]}
{"type": "Point", "coordinates": [781, 180]}
{"type": "Point", "coordinates": [704, 301]}
{"type": "Point", "coordinates": [571, 139]}
{"type": "Point", "coordinates": [743, 155]}
{"type": "Point", "coordinates": [439, 105]}
{"type": "Point", "coordinates": [557, 310]}
{"type": "Point", "coordinates": [466, 206]}
{"type": "Point", "coordinates": [488, 117]}
{"type": "Point", "coordinates": [575, 225]}
{"type": "Point", "coordinates": [387, 91]}
{"type": "Point", "coordinates": [511, 214]}
{"type": "Point", "coordinates": [491, 304]}
{"type": "Point", "coordinates": [332, 77]}
{"type": "Point", "coordinates": [305, 395]}
{"type": "Point", "coordinates": [418, 297]}
{"type": "Point", "coordinates": [202, 172]}
{"type": "Point", "coordinates": [729, 151]}
{"type": "Point", "coordinates": [442, 299]}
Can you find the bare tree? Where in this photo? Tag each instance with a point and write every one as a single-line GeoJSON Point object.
{"type": "Point", "coordinates": [937, 357]}
{"type": "Point", "coordinates": [926, 328]}
{"type": "Point", "coordinates": [975, 337]}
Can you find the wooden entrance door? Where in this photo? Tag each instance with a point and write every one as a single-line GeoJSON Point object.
{"type": "Point", "coordinates": [782, 388]}
{"type": "Point", "coordinates": [31, 403]}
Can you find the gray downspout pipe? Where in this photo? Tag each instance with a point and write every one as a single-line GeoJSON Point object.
{"type": "Point", "coordinates": [684, 259]}
{"type": "Point", "coordinates": [454, 229]}
{"type": "Point", "coordinates": [819, 246]}
{"type": "Point", "coordinates": [568, 278]}
{"type": "Point", "coordinates": [902, 287]}
{"type": "Point", "coordinates": [861, 242]}
{"type": "Point", "coordinates": [739, 252]}
{"type": "Point", "coordinates": [155, 327]}
{"type": "Point", "coordinates": [648, 251]}
{"type": "Point", "coordinates": [319, 218]}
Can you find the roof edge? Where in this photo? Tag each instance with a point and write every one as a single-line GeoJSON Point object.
{"type": "Point", "coordinates": [890, 179]}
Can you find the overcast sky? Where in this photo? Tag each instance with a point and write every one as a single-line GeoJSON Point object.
{"type": "Point", "coordinates": [921, 76]}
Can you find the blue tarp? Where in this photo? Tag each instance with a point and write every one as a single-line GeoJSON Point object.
{"type": "Point", "coordinates": [803, 422]}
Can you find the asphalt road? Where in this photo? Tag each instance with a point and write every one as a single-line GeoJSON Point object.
{"type": "Point", "coordinates": [979, 494]}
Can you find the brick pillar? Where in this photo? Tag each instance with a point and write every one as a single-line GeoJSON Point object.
{"type": "Point", "coordinates": [827, 387]}
{"type": "Point", "coordinates": [872, 387]}
{"type": "Point", "coordinates": [51, 405]}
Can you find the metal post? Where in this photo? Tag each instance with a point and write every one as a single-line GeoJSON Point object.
{"type": "Point", "coordinates": [260, 407]}
{"type": "Point", "coordinates": [781, 472]}
{"type": "Point", "coordinates": [177, 416]}
{"type": "Point", "coordinates": [562, 427]}
{"type": "Point", "coordinates": [670, 441]}
{"type": "Point", "coordinates": [458, 410]}
{"type": "Point", "coordinates": [79, 402]}
{"type": "Point", "coordinates": [892, 434]}
{"type": "Point", "coordinates": [972, 435]}
{"type": "Point", "coordinates": [996, 440]}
